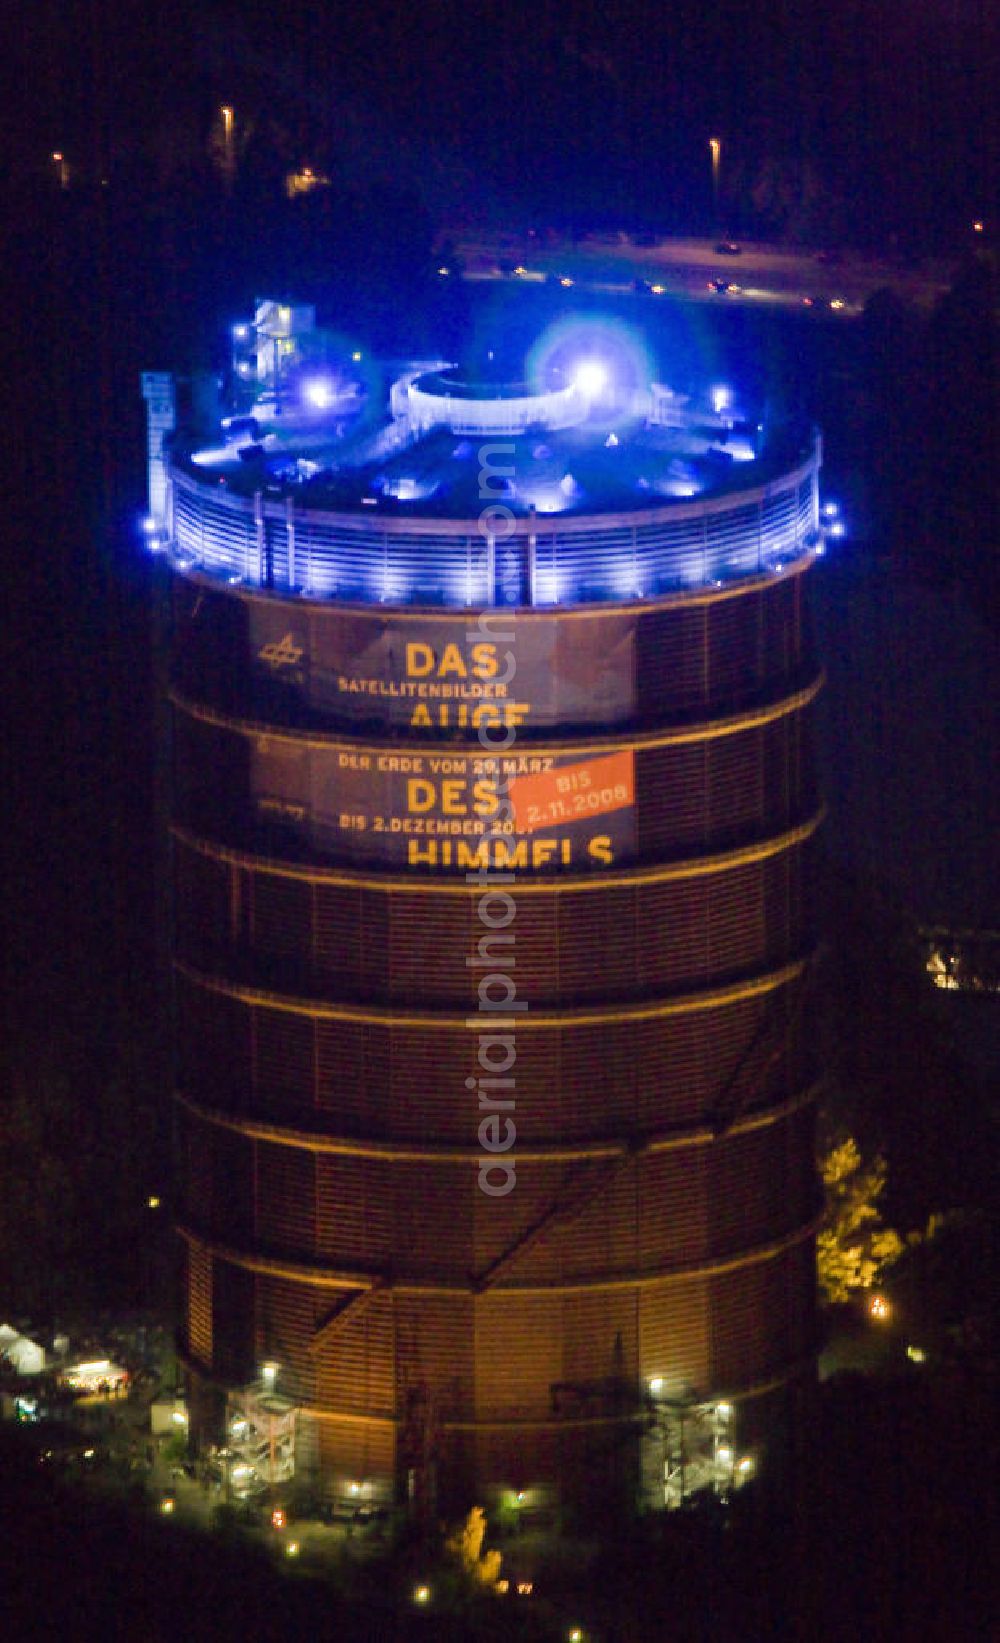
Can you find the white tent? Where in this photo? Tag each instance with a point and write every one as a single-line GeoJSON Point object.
{"type": "Point", "coordinates": [27, 1357]}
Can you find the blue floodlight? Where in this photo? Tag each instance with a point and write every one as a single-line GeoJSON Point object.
{"type": "Point", "coordinates": [318, 393]}
{"type": "Point", "coordinates": [591, 378]}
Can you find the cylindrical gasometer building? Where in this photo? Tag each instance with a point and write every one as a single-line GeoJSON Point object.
{"type": "Point", "coordinates": [494, 814]}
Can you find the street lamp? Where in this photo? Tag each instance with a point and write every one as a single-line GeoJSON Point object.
{"type": "Point", "coordinates": [228, 125]}
{"type": "Point", "coordinates": [715, 148]}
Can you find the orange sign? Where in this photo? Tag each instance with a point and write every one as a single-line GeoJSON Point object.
{"type": "Point", "coordinates": [576, 792]}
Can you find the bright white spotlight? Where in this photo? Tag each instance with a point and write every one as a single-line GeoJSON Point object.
{"type": "Point", "coordinates": [318, 393]}
{"type": "Point", "coordinates": [590, 378]}
{"type": "Point", "coordinates": [722, 400]}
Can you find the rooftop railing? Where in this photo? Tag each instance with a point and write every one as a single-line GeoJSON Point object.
{"type": "Point", "coordinates": [276, 546]}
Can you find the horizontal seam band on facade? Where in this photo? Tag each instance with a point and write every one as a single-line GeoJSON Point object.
{"type": "Point", "coordinates": [316, 1277]}
{"type": "Point", "coordinates": [347, 1417]}
{"type": "Point", "coordinates": [680, 598]}
{"type": "Point", "coordinates": [471, 1020]}
{"type": "Point", "coordinates": [706, 730]}
{"type": "Point", "coordinates": [391, 1152]}
{"type": "Point", "coordinates": [757, 1389]}
{"type": "Point", "coordinates": [625, 878]}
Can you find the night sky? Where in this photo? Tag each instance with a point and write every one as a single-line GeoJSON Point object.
{"type": "Point", "coordinates": [889, 108]}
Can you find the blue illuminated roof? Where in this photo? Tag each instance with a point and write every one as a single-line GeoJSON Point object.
{"type": "Point", "coordinates": [396, 491]}
{"type": "Point", "coordinates": [629, 453]}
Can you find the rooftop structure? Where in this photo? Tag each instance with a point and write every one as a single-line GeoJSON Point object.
{"type": "Point", "coordinates": [365, 484]}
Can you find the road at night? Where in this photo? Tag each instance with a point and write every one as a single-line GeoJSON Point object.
{"type": "Point", "coordinates": [690, 268]}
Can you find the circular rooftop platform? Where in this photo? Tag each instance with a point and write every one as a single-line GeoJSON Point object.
{"type": "Point", "coordinates": [425, 486]}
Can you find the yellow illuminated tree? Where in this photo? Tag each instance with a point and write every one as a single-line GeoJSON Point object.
{"type": "Point", "coordinates": [467, 1545]}
{"type": "Point", "coordinates": [854, 1248]}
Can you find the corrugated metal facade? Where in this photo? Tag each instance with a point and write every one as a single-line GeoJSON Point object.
{"type": "Point", "coordinates": [326, 1030]}
{"type": "Point", "coordinates": [388, 944]}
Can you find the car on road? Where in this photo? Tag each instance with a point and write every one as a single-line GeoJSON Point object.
{"type": "Point", "coordinates": [728, 248]}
